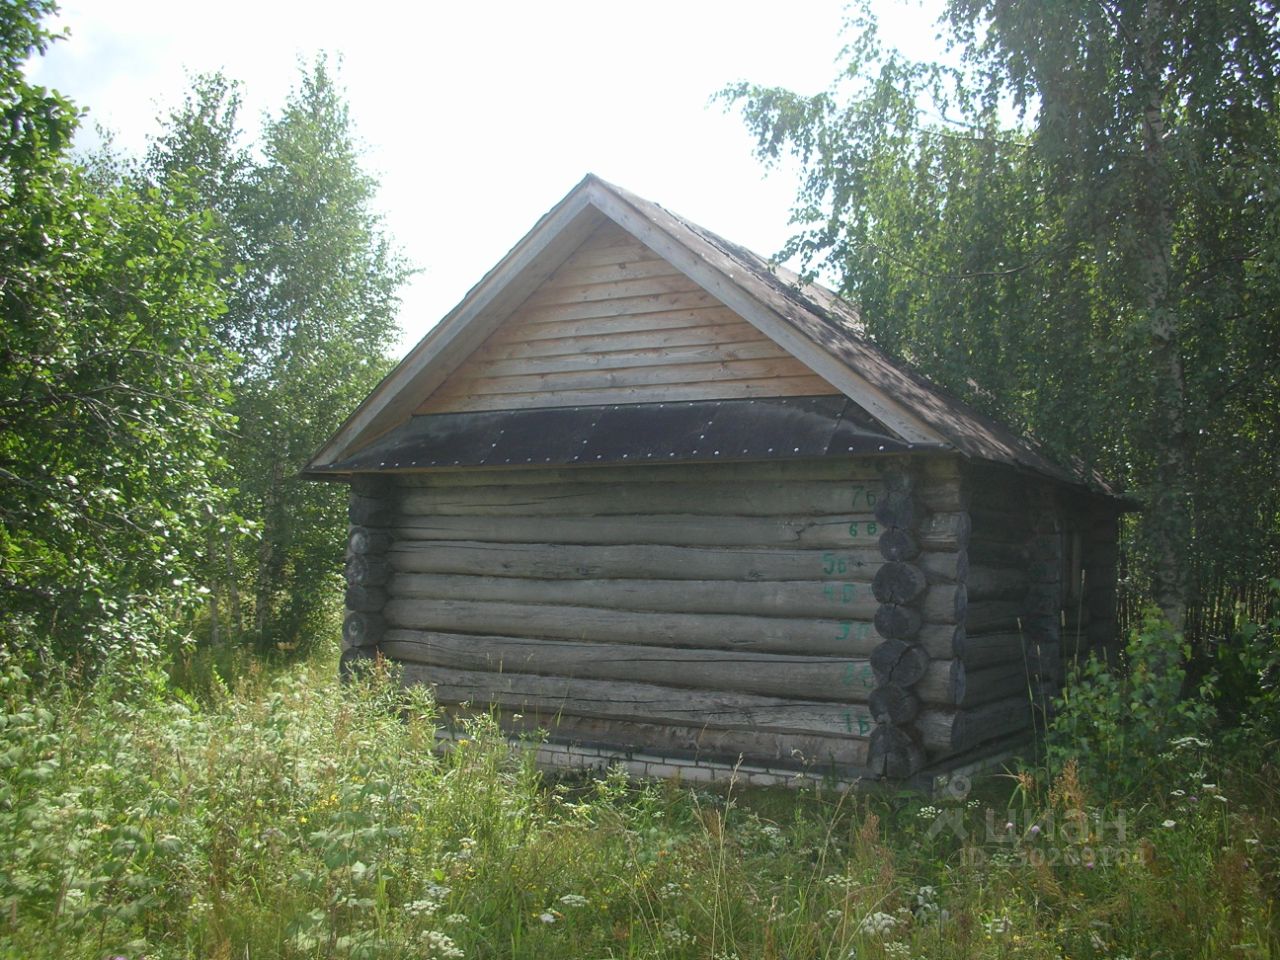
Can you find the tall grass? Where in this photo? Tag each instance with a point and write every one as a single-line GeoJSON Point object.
{"type": "Point", "coordinates": [290, 817]}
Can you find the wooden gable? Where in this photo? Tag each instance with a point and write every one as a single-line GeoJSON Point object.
{"type": "Point", "coordinates": [617, 323]}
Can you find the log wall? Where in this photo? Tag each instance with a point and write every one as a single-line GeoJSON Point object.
{"type": "Point", "coordinates": [871, 616]}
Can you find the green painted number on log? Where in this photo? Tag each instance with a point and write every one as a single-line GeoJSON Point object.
{"type": "Point", "coordinates": [845, 627]}
{"type": "Point", "coordinates": [864, 726]}
{"type": "Point", "coordinates": [862, 675]}
{"type": "Point", "coordinates": [834, 563]}
{"type": "Point", "coordinates": [869, 528]}
{"type": "Point", "coordinates": [868, 496]}
{"type": "Point", "coordinates": [842, 595]}
{"type": "Point", "coordinates": [848, 721]}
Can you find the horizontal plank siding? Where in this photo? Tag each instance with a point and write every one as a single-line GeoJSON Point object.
{"type": "Point", "coordinates": [617, 324]}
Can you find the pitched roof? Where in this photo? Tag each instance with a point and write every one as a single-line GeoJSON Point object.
{"type": "Point", "coordinates": [807, 319]}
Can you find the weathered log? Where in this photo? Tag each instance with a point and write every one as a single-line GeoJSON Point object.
{"type": "Point", "coordinates": [996, 554]}
{"type": "Point", "coordinates": [946, 732]}
{"type": "Point", "coordinates": [897, 509]}
{"type": "Point", "coordinates": [708, 497]}
{"type": "Point", "coordinates": [1045, 548]}
{"type": "Point", "coordinates": [893, 704]}
{"type": "Point", "coordinates": [376, 485]}
{"type": "Point", "coordinates": [366, 599]}
{"type": "Point", "coordinates": [991, 615]}
{"type": "Point", "coordinates": [898, 662]}
{"type": "Point", "coordinates": [370, 511]}
{"type": "Point", "coordinates": [1045, 660]}
{"type": "Point", "coordinates": [893, 753]}
{"type": "Point", "coordinates": [944, 531]}
{"type": "Point", "coordinates": [608, 699]}
{"type": "Point", "coordinates": [998, 682]}
{"type": "Point", "coordinates": [354, 662]}
{"type": "Point", "coordinates": [897, 623]}
{"type": "Point", "coordinates": [368, 571]}
{"type": "Point", "coordinates": [899, 545]}
{"type": "Point", "coordinates": [864, 470]}
{"type": "Point", "coordinates": [847, 638]}
{"type": "Point", "coordinates": [770, 598]}
{"type": "Point", "coordinates": [1044, 571]}
{"type": "Point", "coordinates": [806, 678]}
{"type": "Point", "coordinates": [902, 583]}
{"type": "Point", "coordinates": [360, 629]}
{"type": "Point", "coordinates": [985, 649]}
{"type": "Point", "coordinates": [1000, 525]}
{"type": "Point", "coordinates": [944, 566]}
{"type": "Point", "coordinates": [791, 751]}
{"type": "Point", "coordinates": [1101, 602]}
{"type": "Point", "coordinates": [1041, 629]}
{"type": "Point", "coordinates": [898, 476]}
{"type": "Point", "coordinates": [815, 532]}
{"type": "Point", "coordinates": [996, 583]}
{"type": "Point", "coordinates": [556, 561]}
{"type": "Point", "coordinates": [363, 540]}
{"type": "Point", "coordinates": [1043, 600]}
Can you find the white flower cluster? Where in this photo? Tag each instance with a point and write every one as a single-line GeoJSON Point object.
{"type": "Point", "coordinates": [928, 813]}
{"type": "Point", "coordinates": [672, 933]}
{"type": "Point", "coordinates": [432, 897]}
{"type": "Point", "coordinates": [878, 924]}
{"type": "Point", "coordinates": [440, 946]}
{"type": "Point", "coordinates": [574, 900]}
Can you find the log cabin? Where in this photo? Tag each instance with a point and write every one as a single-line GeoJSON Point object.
{"type": "Point", "coordinates": [661, 500]}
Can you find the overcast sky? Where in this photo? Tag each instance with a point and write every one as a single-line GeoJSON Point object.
{"type": "Point", "coordinates": [477, 117]}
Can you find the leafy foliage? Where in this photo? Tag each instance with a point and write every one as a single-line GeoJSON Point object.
{"type": "Point", "coordinates": [311, 282]}
{"type": "Point", "coordinates": [111, 390]}
{"type": "Point", "coordinates": [1075, 229]}
{"type": "Point", "coordinates": [1127, 726]}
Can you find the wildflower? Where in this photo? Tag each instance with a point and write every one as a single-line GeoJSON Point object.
{"type": "Point", "coordinates": [456, 919]}
{"type": "Point", "coordinates": [1252, 841]}
{"type": "Point", "coordinates": [877, 924]}
{"type": "Point", "coordinates": [1008, 826]}
{"type": "Point", "coordinates": [574, 900]}
{"type": "Point", "coordinates": [898, 951]}
{"type": "Point", "coordinates": [1169, 824]}
{"type": "Point", "coordinates": [440, 945]}
{"type": "Point", "coordinates": [835, 914]}
{"type": "Point", "coordinates": [998, 926]}
{"type": "Point", "coordinates": [1035, 829]}
{"type": "Point", "coordinates": [547, 917]}
{"type": "Point", "coordinates": [928, 812]}
{"type": "Point", "coordinates": [1178, 793]}
{"type": "Point", "coordinates": [673, 934]}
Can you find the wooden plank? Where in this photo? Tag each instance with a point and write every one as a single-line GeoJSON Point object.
{"type": "Point", "coordinates": [693, 334]}
{"type": "Point", "coordinates": [764, 598]}
{"type": "Point", "coordinates": [797, 497]}
{"type": "Point", "coordinates": [646, 356]}
{"type": "Point", "coordinates": [581, 274]}
{"type": "Point", "coordinates": [798, 751]}
{"type": "Point", "coordinates": [643, 702]}
{"type": "Point", "coordinates": [777, 675]}
{"type": "Point", "coordinates": [813, 532]}
{"type": "Point", "coordinates": [490, 302]}
{"type": "Point", "coordinates": [719, 390]}
{"type": "Point", "coordinates": [706, 315]}
{"type": "Point", "coordinates": [718, 278]}
{"type": "Point", "coordinates": [556, 291]}
{"type": "Point", "coordinates": [475, 382]}
{"type": "Point", "coordinates": [621, 307]}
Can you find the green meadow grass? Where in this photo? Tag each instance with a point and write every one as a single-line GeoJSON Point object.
{"type": "Point", "coordinates": [291, 817]}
